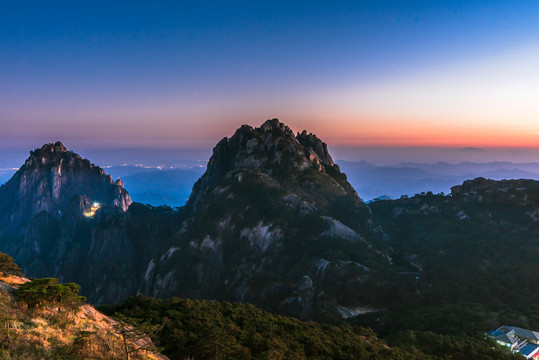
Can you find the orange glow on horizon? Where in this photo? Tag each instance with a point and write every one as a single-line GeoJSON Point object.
{"type": "Point", "coordinates": [413, 133]}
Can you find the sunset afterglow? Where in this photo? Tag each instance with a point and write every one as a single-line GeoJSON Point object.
{"type": "Point", "coordinates": [181, 76]}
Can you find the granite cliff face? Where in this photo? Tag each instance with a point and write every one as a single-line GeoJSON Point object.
{"type": "Point", "coordinates": [271, 149]}
{"type": "Point", "coordinates": [273, 222]}
{"type": "Point", "coordinates": [54, 180]}
{"type": "Point", "coordinates": [42, 223]}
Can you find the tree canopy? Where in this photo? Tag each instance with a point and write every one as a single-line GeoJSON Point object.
{"type": "Point", "coordinates": [8, 266]}
{"type": "Point", "coordinates": [48, 291]}
{"type": "Point", "coordinates": [222, 330]}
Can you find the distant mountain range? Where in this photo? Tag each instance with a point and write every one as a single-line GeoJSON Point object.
{"type": "Point", "coordinates": [372, 181]}
{"type": "Point", "coordinates": [172, 186]}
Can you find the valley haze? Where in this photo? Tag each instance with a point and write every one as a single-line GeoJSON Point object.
{"type": "Point", "coordinates": [166, 176]}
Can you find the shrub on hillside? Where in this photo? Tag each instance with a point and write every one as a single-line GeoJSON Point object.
{"type": "Point", "coordinates": [48, 291]}
{"type": "Point", "coordinates": [8, 266]}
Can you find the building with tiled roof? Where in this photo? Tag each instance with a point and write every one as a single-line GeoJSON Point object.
{"type": "Point", "coordinates": [518, 340]}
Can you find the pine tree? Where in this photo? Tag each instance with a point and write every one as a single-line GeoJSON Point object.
{"type": "Point", "coordinates": [8, 266]}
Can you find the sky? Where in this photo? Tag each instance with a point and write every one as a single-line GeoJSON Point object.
{"type": "Point", "coordinates": [370, 76]}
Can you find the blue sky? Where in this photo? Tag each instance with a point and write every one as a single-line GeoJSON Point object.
{"type": "Point", "coordinates": [184, 74]}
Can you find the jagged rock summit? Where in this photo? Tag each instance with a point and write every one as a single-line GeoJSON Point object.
{"type": "Point", "coordinates": [271, 149]}
{"type": "Point", "coordinates": [56, 181]}
{"type": "Point", "coordinates": [274, 222]}
{"type": "Point", "coordinates": [55, 215]}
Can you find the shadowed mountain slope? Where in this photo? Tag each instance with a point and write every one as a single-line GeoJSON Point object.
{"type": "Point", "coordinates": [478, 247]}
{"type": "Point", "coordinates": [62, 216]}
{"type": "Point", "coordinates": [274, 222]}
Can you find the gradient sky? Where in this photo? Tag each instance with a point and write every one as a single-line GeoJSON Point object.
{"type": "Point", "coordinates": [183, 74]}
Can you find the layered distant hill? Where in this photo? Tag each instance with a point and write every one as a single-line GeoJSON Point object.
{"type": "Point", "coordinates": [372, 181]}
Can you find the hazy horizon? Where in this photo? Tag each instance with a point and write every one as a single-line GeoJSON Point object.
{"type": "Point", "coordinates": [373, 171]}
{"type": "Point", "coordinates": [373, 74]}
{"type": "Point", "coordinates": [197, 157]}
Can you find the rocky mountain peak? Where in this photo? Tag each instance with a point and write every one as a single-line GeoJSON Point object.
{"type": "Point", "coordinates": [317, 149]}
{"type": "Point", "coordinates": [49, 179]}
{"type": "Point", "coordinates": [272, 149]}
{"type": "Point", "coordinates": [274, 124]}
{"type": "Point", "coordinates": [272, 221]}
{"type": "Point", "coordinates": [48, 153]}
{"type": "Point", "coordinates": [271, 205]}
{"type": "Point", "coordinates": [56, 147]}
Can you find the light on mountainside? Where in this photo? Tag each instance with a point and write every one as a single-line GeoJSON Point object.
{"type": "Point", "coordinates": [95, 206]}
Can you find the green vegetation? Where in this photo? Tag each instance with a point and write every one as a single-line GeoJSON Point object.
{"type": "Point", "coordinates": [48, 291]}
{"type": "Point", "coordinates": [477, 260]}
{"type": "Point", "coordinates": [200, 329]}
{"type": "Point", "coordinates": [8, 266]}
{"type": "Point", "coordinates": [34, 324]}
{"type": "Point", "coordinates": [439, 346]}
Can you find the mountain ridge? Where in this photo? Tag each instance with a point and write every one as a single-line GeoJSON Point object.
{"type": "Point", "coordinates": [262, 187]}
{"type": "Point", "coordinates": [55, 215]}
{"type": "Point", "coordinates": [274, 222]}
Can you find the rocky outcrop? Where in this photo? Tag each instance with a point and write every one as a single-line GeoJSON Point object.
{"type": "Point", "coordinates": [272, 149]}
{"type": "Point", "coordinates": [316, 149]}
{"type": "Point", "coordinates": [81, 332]}
{"type": "Point", "coordinates": [270, 204]}
{"type": "Point", "coordinates": [48, 181]}
{"type": "Point", "coordinates": [44, 227]}
{"type": "Point", "coordinates": [481, 189]}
